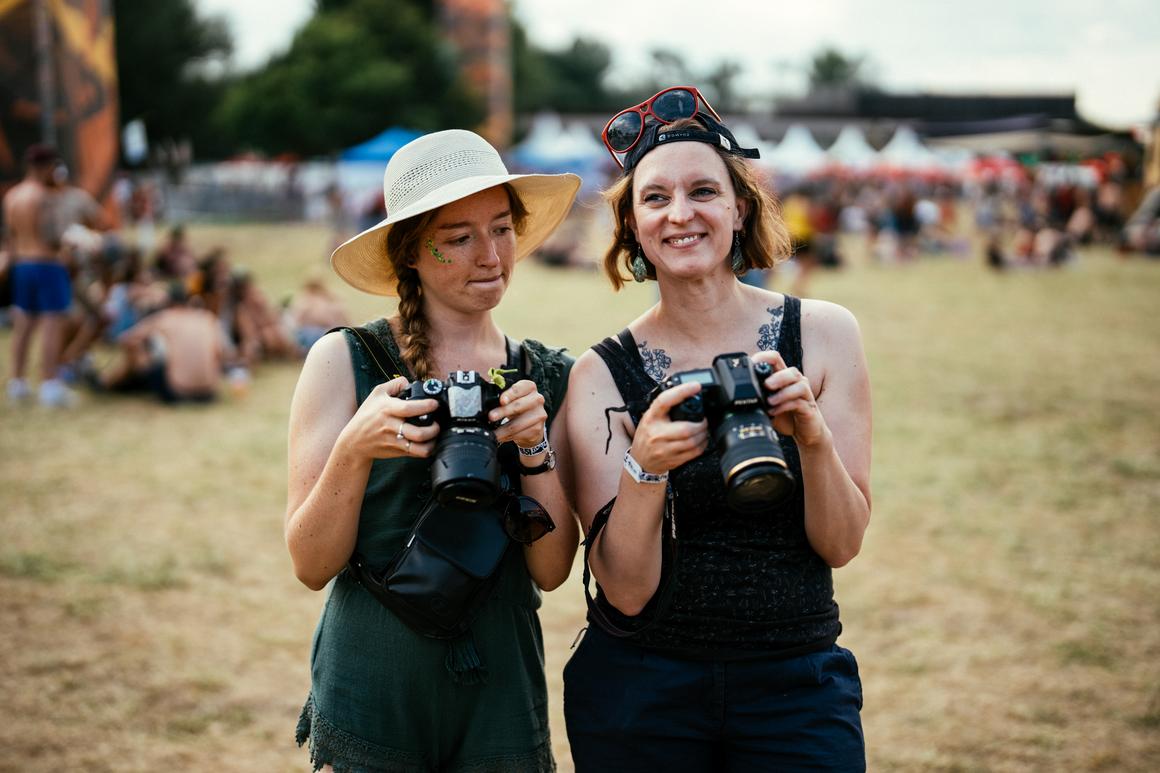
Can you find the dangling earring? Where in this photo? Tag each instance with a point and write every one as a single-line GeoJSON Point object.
{"type": "Point", "coordinates": [639, 267]}
{"type": "Point", "coordinates": [738, 263]}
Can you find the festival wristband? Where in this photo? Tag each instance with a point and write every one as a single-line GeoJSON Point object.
{"type": "Point", "coordinates": [638, 474]}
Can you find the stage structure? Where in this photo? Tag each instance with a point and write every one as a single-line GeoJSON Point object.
{"type": "Point", "coordinates": [481, 34]}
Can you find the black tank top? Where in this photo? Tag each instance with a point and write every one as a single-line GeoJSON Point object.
{"type": "Point", "coordinates": [746, 584]}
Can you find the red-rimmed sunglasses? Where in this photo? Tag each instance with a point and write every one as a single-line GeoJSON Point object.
{"type": "Point", "coordinates": [525, 520]}
{"type": "Point", "coordinates": [624, 129]}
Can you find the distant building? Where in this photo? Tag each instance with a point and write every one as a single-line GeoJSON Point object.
{"type": "Point", "coordinates": [1023, 123]}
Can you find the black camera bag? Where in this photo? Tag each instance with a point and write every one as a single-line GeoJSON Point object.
{"type": "Point", "coordinates": [438, 582]}
{"type": "Point", "coordinates": [450, 564]}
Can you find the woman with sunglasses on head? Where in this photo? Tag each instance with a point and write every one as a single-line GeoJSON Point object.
{"type": "Point", "coordinates": [384, 696]}
{"type": "Point", "coordinates": [712, 636]}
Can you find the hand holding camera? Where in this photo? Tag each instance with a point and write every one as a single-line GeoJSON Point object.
{"type": "Point", "coordinates": [663, 442]}
{"type": "Point", "coordinates": [792, 402]}
{"type": "Point", "coordinates": [733, 399]}
{"type": "Point", "coordinates": [380, 428]}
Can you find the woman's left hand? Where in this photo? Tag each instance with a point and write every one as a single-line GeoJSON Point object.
{"type": "Point", "coordinates": [523, 407]}
{"type": "Point", "coordinates": [793, 405]}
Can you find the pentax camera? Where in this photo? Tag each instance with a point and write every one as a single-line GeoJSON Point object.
{"type": "Point", "coordinates": [465, 471]}
{"type": "Point", "coordinates": [732, 399]}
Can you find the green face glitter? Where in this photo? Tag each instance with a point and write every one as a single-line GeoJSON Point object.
{"type": "Point", "coordinates": [435, 252]}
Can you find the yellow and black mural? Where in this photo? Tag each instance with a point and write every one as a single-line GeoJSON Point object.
{"type": "Point", "coordinates": [79, 93]}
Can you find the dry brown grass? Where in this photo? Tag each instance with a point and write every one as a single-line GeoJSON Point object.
{"type": "Point", "coordinates": [1003, 609]}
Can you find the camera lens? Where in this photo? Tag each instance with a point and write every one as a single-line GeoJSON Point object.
{"type": "Point", "coordinates": [755, 473]}
{"type": "Point", "coordinates": [465, 472]}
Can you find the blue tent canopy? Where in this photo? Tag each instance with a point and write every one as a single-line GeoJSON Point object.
{"type": "Point", "coordinates": [382, 146]}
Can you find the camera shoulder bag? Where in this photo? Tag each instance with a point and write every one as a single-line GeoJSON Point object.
{"type": "Point", "coordinates": [450, 564]}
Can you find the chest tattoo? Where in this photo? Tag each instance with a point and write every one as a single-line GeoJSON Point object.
{"type": "Point", "coordinates": [768, 333]}
{"type": "Point", "coordinates": [656, 362]}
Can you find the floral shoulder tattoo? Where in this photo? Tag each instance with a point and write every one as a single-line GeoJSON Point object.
{"type": "Point", "coordinates": [768, 333]}
{"type": "Point", "coordinates": [656, 362]}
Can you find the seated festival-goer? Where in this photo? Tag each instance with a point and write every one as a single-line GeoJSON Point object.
{"type": "Point", "coordinates": [177, 353]}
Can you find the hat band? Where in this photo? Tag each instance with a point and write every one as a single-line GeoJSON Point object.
{"type": "Point", "coordinates": [422, 179]}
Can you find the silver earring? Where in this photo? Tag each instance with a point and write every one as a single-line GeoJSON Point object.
{"type": "Point", "coordinates": [639, 267]}
{"type": "Point", "coordinates": [738, 263]}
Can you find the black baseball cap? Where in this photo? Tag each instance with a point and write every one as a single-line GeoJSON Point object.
{"type": "Point", "coordinates": [713, 133]}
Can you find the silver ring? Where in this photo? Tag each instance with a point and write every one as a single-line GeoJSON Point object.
{"type": "Point", "coordinates": [408, 446]}
{"type": "Point", "coordinates": [399, 434]}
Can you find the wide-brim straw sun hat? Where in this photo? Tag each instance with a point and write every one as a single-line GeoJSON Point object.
{"type": "Point", "coordinates": [437, 169]}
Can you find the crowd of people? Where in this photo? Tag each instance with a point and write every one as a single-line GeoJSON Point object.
{"type": "Point", "coordinates": [117, 318]}
{"type": "Point", "coordinates": [1016, 216]}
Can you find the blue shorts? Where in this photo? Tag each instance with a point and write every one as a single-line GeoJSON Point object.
{"type": "Point", "coordinates": [631, 709]}
{"type": "Point", "coordinates": [41, 288]}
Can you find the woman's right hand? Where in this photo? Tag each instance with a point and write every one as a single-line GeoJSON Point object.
{"type": "Point", "coordinates": [660, 444]}
{"type": "Point", "coordinates": [379, 428]}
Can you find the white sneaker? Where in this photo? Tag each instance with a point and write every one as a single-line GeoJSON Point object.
{"type": "Point", "coordinates": [18, 390]}
{"type": "Point", "coordinates": [54, 394]}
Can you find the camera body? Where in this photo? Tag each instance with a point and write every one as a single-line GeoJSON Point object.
{"type": "Point", "coordinates": [465, 470]}
{"type": "Point", "coordinates": [732, 400]}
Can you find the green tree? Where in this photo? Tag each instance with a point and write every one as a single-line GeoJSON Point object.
{"type": "Point", "coordinates": [163, 49]}
{"type": "Point", "coordinates": [570, 80]}
{"type": "Point", "coordinates": [830, 67]}
{"type": "Point", "coordinates": [721, 86]}
{"type": "Point", "coordinates": [357, 67]}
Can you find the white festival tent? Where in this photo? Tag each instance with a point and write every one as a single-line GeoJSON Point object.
{"type": "Point", "coordinates": [906, 151]}
{"type": "Point", "coordinates": [852, 151]}
{"type": "Point", "coordinates": [797, 154]}
{"type": "Point", "coordinates": [748, 137]}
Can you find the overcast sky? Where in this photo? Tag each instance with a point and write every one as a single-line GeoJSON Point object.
{"type": "Point", "coordinates": [1106, 51]}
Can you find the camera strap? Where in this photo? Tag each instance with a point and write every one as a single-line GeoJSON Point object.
{"type": "Point", "coordinates": [662, 599]}
{"type": "Point", "coordinates": [622, 359]}
{"type": "Point", "coordinates": [378, 353]}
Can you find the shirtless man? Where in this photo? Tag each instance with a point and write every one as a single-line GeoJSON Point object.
{"type": "Point", "coordinates": [177, 353]}
{"type": "Point", "coordinates": [41, 289]}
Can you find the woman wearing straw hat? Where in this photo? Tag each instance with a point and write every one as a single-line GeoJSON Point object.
{"type": "Point", "coordinates": [384, 697]}
{"type": "Point", "coordinates": [713, 643]}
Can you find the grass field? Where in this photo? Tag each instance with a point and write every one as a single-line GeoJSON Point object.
{"type": "Point", "coordinates": [1004, 608]}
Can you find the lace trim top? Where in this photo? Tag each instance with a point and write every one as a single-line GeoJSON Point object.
{"type": "Point", "coordinates": [746, 585]}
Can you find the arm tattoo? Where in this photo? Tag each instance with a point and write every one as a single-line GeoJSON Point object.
{"type": "Point", "coordinates": [768, 333]}
{"type": "Point", "coordinates": [656, 362]}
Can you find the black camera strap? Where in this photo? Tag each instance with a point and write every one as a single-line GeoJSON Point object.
{"type": "Point", "coordinates": [662, 599]}
{"type": "Point", "coordinates": [378, 353]}
{"type": "Point", "coordinates": [622, 358]}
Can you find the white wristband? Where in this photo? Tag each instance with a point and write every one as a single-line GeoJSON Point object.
{"type": "Point", "coordinates": [638, 474]}
{"type": "Point", "coordinates": [538, 448]}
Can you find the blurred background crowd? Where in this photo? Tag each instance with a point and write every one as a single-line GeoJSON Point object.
{"type": "Point", "coordinates": [156, 131]}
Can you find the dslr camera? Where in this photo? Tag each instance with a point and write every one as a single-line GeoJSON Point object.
{"type": "Point", "coordinates": [732, 399]}
{"type": "Point", "coordinates": [465, 471]}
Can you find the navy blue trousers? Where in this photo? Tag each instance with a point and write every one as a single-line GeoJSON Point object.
{"type": "Point", "coordinates": [629, 709]}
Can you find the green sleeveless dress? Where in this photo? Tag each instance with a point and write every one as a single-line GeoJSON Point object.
{"type": "Point", "coordinates": [386, 699]}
